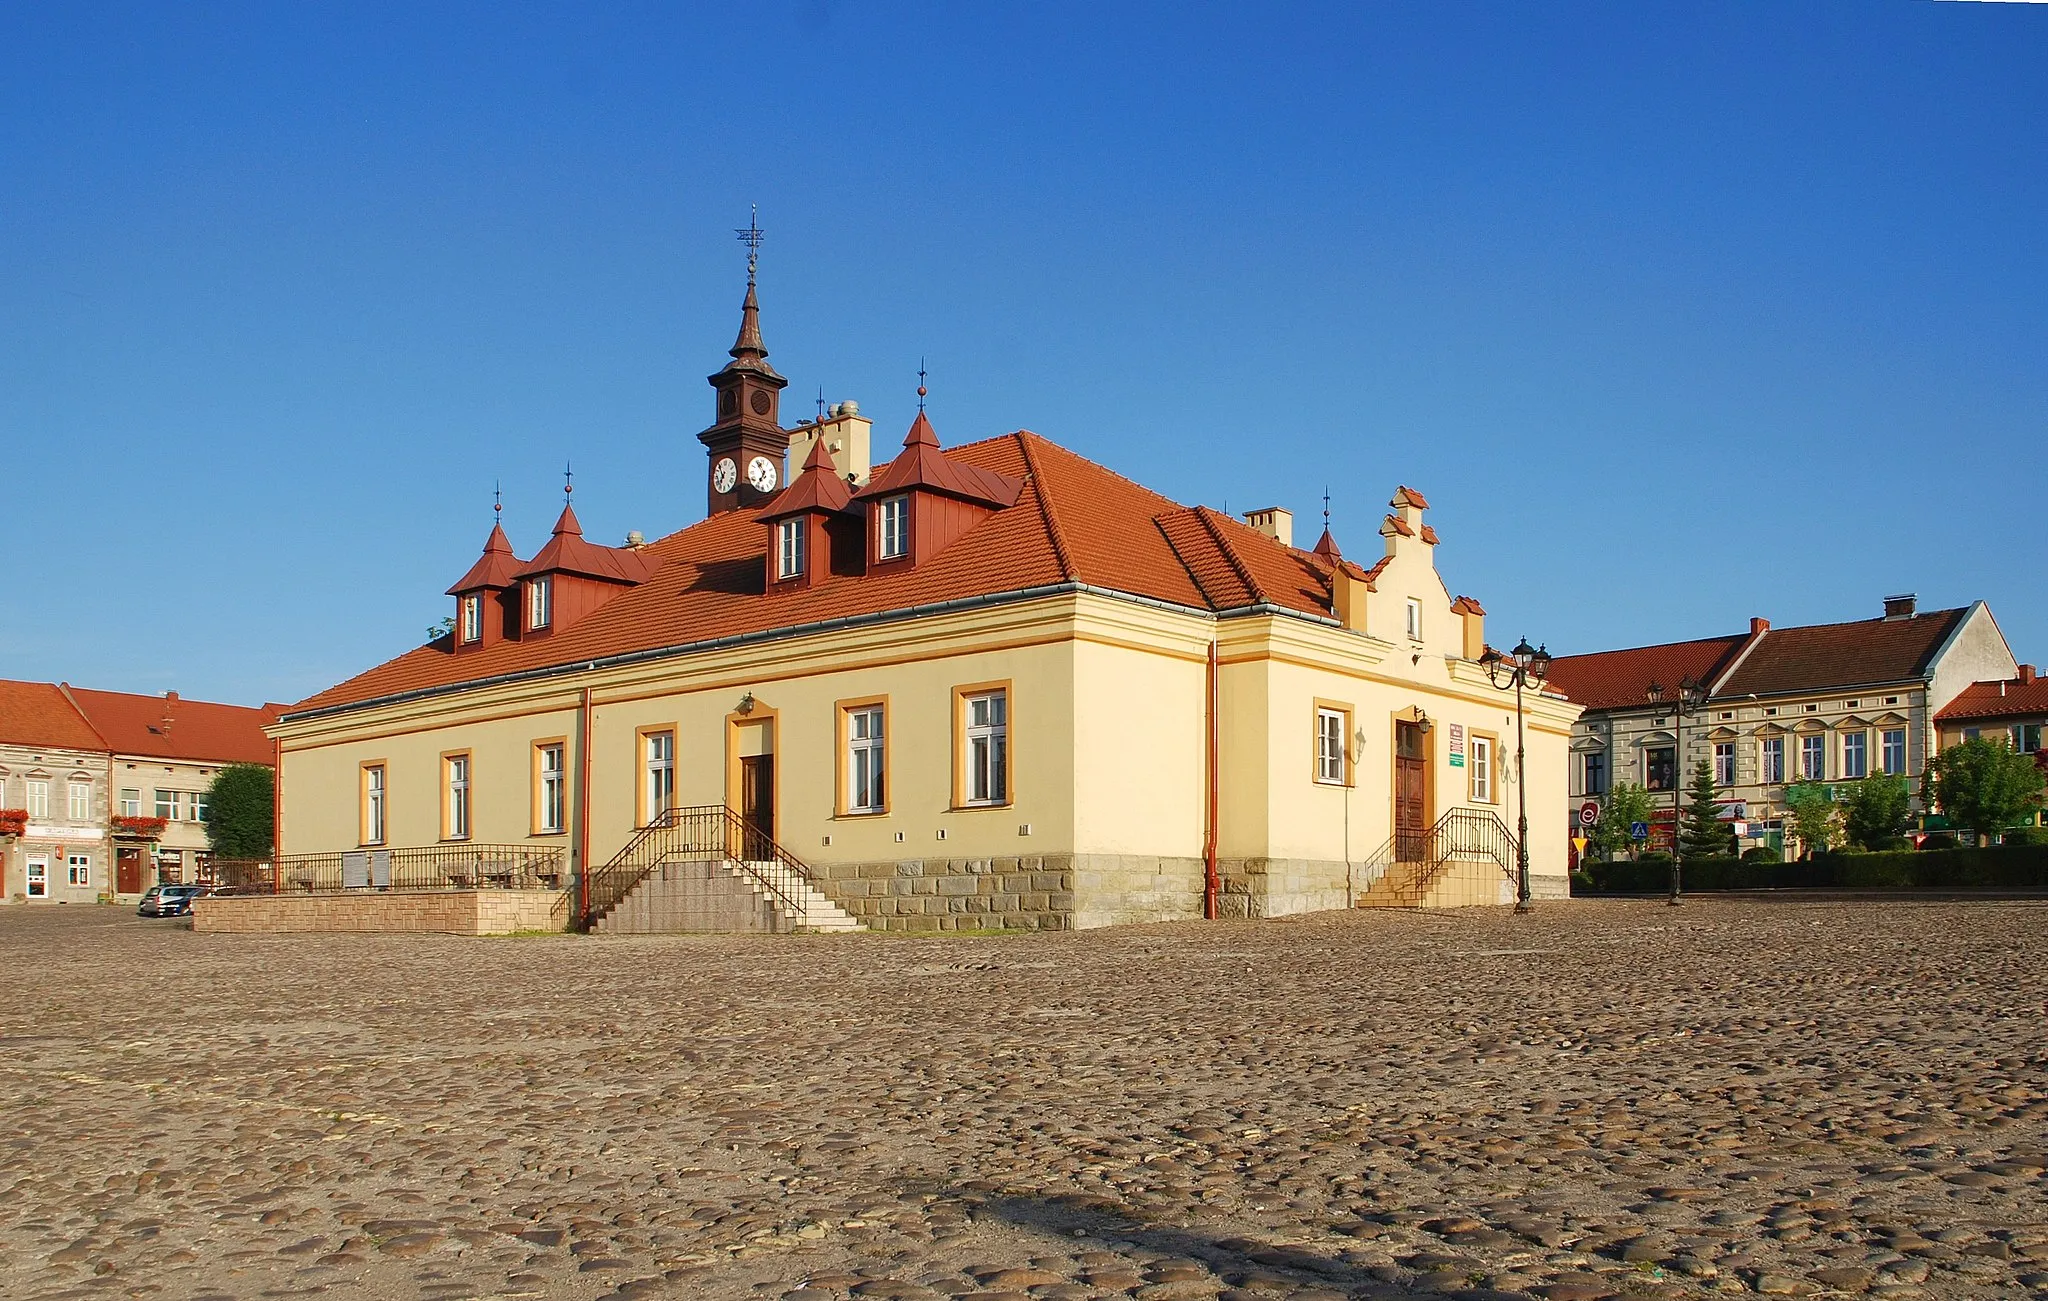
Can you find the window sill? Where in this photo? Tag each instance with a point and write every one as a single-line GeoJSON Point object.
{"type": "Point", "coordinates": [1335, 785]}
{"type": "Point", "coordinates": [560, 832]}
{"type": "Point", "coordinates": [980, 807]}
{"type": "Point", "coordinates": [859, 815]}
{"type": "Point", "coordinates": [454, 840]}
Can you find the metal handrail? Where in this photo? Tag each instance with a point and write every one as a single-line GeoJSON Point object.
{"type": "Point", "coordinates": [420, 867]}
{"type": "Point", "coordinates": [1460, 834]}
{"type": "Point", "coordinates": [700, 832]}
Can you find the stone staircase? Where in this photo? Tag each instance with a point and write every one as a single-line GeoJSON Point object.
{"type": "Point", "coordinates": [1466, 859]}
{"type": "Point", "coordinates": [725, 897]}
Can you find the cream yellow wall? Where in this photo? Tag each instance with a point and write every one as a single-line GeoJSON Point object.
{"type": "Point", "coordinates": [1140, 751]}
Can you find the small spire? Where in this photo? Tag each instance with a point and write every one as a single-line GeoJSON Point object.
{"type": "Point", "coordinates": [920, 385]}
{"type": "Point", "coordinates": [921, 432]}
{"type": "Point", "coordinates": [568, 484]}
{"type": "Point", "coordinates": [821, 404]}
{"type": "Point", "coordinates": [497, 500]}
{"type": "Point", "coordinates": [1326, 508]}
{"type": "Point", "coordinates": [751, 237]}
{"type": "Point", "coordinates": [819, 459]}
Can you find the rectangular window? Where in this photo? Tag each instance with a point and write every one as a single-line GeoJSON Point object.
{"type": "Point", "coordinates": [78, 870]}
{"type": "Point", "coordinates": [80, 801]}
{"type": "Point", "coordinates": [1596, 772]}
{"type": "Point", "coordinates": [1724, 763]}
{"type": "Point", "coordinates": [789, 548]}
{"type": "Point", "coordinates": [39, 799]}
{"type": "Point", "coordinates": [539, 602]}
{"type": "Point", "coordinates": [1970, 734]}
{"type": "Point", "coordinates": [39, 878]}
{"type": "Point", "coordinates": [472, 621]}
{"type": "Point", "coordinates": [892, 528]}
{"type": "Point", "coordinates": [1813, 757]}
{"type": "Point", "coordinates": [131, 802]}
{"type": "Point", "coordinates": [1855, 755]}
{"type": "Point", "coordinates": [1893, 756]}
{"type": "Point", "coordinates": [373, 811]}
{"type": "Point", "coordinates": [1773, 757]}
{"type": "Point", "coordinates": [2026, 737]}
{"type": "Point", "coordinates": [1482, 768]}
{"type": "Point", "coordinates": [167, 805]}
{"type": "Point", "coordinates": [867, 759]}
{"type": "Point", "coordinates": [1331, 766]}
{"type": "Point", "coordinates": [550, 778]}
{"type": "Point", "coordinates": [1660, 768]}
{"type": "Point", "coordinates": [657, 774]}
{"type": "Point", "coordinates": [456, 823]}
{"type": "Point", "coordinates": [199, 807]}
{"type": "Point", "coordinates": [1415, 620]}
{"type": "Point", "coordinates": [986, 737]}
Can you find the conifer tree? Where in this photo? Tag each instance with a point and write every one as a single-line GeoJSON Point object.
{"type": "Point", "coordinates": [1703, 834]}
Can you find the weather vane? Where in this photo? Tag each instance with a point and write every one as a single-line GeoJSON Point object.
{"type": "Point", "coordinates": [568, 480]}
{"type": "Point", "coordinates": [497, 498]}
{"type": "Point", "coordinates": [751, 237]}
{"type": "Point", "coordinates": [821, 404]}
{"type": "Point", "coordinates": [920, 384]}
{"type": "Point", "coordinates": [1326, 508]}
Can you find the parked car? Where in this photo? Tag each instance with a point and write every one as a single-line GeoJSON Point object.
{"type": "Point", "coordinates": [169, 900]}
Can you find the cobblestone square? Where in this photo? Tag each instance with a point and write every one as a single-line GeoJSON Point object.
{"type": "Point", "coordinates": [1606, 1098]}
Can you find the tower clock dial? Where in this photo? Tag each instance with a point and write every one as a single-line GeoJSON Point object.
{"type": "Point", "coordinates": [724, 474]}
{"type": "Point", "coordinates": [761, 473]}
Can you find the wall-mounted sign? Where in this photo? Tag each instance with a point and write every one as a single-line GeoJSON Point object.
{"type": "Point", "coordinates": [1589, 813]}
{"type": "Point", "coordinates": [1457, 745]}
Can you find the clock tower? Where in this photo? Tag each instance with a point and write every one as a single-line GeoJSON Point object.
{"type": "Point", "coordinates": [746, 441]}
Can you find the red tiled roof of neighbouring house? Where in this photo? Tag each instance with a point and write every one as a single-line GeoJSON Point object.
{"type": "Point", "coordinates": [37, 713]}
{"type": "Point", "coordinates": [168, 727]}
{"type": "Point", "coordinates": [2024, 696]}
{"type": "Point", "coordinates": [1073, 520]}
{"type": "Point", "coordinates": [1620, 678]}
{"type": "Point", "coordinates": [1864, 652]}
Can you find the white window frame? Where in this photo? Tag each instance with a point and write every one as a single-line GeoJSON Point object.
{"type": "Point", "coordinates": [540, 602]}
{"type": "Point", "coordinates": [131, 801]}
{"type": "Point", "coordinates": [1479, 753]}
{"type": "Point", "coordinates": [458, 796]}
{"type": "Point", "coordinates": [1589, 762]}
{"type": "Point", "coordinates": [1890, 741]}
{"type": "Point", "coordinates": [374, 829]}
{"type": "Point", "coordinates": [2023, 733]}
{"type": "Point", "coordinates": [1813, 748]}
{"type": "Point", "coordinates": [168, 805]}
{"type": "Point", "coordinates": [892, 527]}
{"type": "Point", "coordinates": [37, 876]}
{"type": "Point", "coordinates": [1332, 763]}
{"type": "Point", "coordinates": [790, 546]}
{"type": "Point", "coordinates": [1771, 760]}
{"type": "Point", "coordinates": [867, 759]}
{"type": "Point", "coordinates": [553, 812]}
{"type": "Point", "coordinates": [38, 799]}
{"type": "Point", "coordinates": [78, 870]}
{"type": "Point", "coordinates": [1858, 745]}
{"type": "Point", "coordinates": [658, 772]}
{"type": "Point", "coordinates": [988, 747]}
{"type": "Point", "coordinates": [1724, 763]}
{"type": "Point", "coordinates": [78, 801]}
{"type": "Point", "coordinates": [196, 807]}
{"type": "Point", "coordinates": [471, 624]}
{"type": "Point", "coordinates": [1414, 619]}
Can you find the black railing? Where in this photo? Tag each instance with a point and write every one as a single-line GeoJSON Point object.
{"type": "Point", "coordinates": [709, 831]}
{"type": "Point", "coordinates": [1461, 835]}
{"type": "Point", "coordinates": [425, 867]}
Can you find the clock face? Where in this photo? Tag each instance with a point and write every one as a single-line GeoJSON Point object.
{"type": "Point", "coordinates": [724, 474]}
{"type": "Point", "coordinates": [761, 473]}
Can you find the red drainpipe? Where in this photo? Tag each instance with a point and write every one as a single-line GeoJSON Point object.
{"type": "Point", "coordinates": [276, 815]}
{"type": "Point", "coordinates": [1212, 884]}
{"type": "Point", "coordinates": [583, 812]}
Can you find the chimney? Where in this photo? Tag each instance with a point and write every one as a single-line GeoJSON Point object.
{"type": "Point", "coordinates": [1901, 606]}
{"type": "Point", "coordinates": [636, 540]}
{"type": "Point", "coordinates": [845, 431]}
{"type": "Point", "coordinates": [1274, 522]}
{"type": "Point", "coordinates": [1758, 627]}
{"type": "Point", "coordinates": [2027, 672]}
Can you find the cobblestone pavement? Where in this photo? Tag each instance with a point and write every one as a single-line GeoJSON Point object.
{"type": "Point", "coordinates": [1605, 1098]}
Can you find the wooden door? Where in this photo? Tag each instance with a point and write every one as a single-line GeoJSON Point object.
{"type": "Point", "coordinates": [127, 871]}
{"type": "Point", "coordinates": [1411, 795]}
{"type": "Point", "coordinates": [757, 805]}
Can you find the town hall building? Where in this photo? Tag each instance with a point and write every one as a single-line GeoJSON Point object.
{"type": "Point", "coordinates": [987, 685]}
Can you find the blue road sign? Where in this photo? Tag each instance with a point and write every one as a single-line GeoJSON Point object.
{"type": "Point", "coordinates": [1638, 831]}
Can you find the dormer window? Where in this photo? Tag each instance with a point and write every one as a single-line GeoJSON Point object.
{"type": "Point", "coordinates": [892, 528]}
{"type": "Point", "coordinates": [789, 548]}
{"type": "Point", "coordinates": [539, 601]}
{"type": "Point", "coordinates": [470, 627]}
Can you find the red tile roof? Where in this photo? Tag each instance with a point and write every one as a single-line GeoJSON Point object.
{"type": "Point", "coordinates": [36, 713]}
{"type": "Point", "coordinates": [1619, 678]}
{"type": "Point", "coordinates": [1073, 521]}
{"type": "Point", "coordinates": [2011, 698]}
{"type": "Point", "coordinates": [167, 727]}
{"type": "Point", "coordinates": [1865, 652]}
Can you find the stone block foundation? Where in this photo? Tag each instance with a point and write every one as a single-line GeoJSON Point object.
{"type": "Point", "coordinates": [452, 912]}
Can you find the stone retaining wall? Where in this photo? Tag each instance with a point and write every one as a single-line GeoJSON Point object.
{"type": "Point", "coordinates": [455, 912]}
{"type": "Point", "coordinates": [954, 894]}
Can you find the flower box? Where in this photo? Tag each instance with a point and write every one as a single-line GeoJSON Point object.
{"type": "Point", "coordinates": [148, 828]}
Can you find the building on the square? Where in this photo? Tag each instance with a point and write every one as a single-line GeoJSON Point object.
{"type": "Point", "coordinates": [987, 685]}
{"type": "Point", "coordinates": [110, 787]}
{"type": "Point", "coordinates": [2014, 710]}
{"type": "Point", "coordinates": [1828, 702]}
{"type": "Point", "coordinates": [53, 798]}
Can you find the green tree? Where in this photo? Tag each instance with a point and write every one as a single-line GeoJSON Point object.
{"type": "Point", "coordinates": [1703, 834]}
{"type": "Point", "coordinates": [1985, 786]}
{"type": "Point", "coordinates": [240, 805]}
{"type": "Point", "coordinates": [1624, 803]}
{"type": "Point", "coordinates": [1815, 819]}
{"type": "Point", "coordinates": [1878, 811]}
{"type": "Point", "coordinates": [445, 628]}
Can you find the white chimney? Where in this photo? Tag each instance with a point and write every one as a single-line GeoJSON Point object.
{"type": "Point", "coordinates": [1274, 522]}
{"type": "Point", "coordinates": [845, 432]}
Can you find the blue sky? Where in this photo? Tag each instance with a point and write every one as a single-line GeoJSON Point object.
{"type": "Point", "coordinates": [1678, 314]}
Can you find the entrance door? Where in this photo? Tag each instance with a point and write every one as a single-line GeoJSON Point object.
{"type": "Point", "coordinates": [1411, 795]}
{"type": "Point", "coordinates": [39, 877]}
{"type": "Point", "coordinates": [127, 871]}
{"type": "Point", "coordinates": [757, 805]}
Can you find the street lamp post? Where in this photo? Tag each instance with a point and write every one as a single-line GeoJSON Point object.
{"type": "Point", "coordinates": [1691, 699]}
{"type": "Point", "coordinates": [1524, 665]}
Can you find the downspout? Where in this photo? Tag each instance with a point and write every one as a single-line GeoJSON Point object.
{"type": "Point", "coordinates": [1212, 884]}
{"type": "Point", "coordinates": [276, 816]}
{"type": "Point", "coordinates": [583, 814]}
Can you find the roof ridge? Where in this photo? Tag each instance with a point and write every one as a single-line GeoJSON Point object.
{"type": "Point", "coordinates": [1045, 510]}
{"type": "Point", "coordinates": [1194, 575]}
{"type": "Point", "coordinates": [1655, 645]}
{"type": "Point", "coordinates": [64, 690]}
{"type": "Point", "coordinates": [1089, 461]}
{"type": "Point", "coordinates": [1203, 513]}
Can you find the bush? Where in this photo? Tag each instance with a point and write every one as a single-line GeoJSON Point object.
{"type": "Point", "coordinates": [1937, 840]}
{"type": "Point", "coordinates": [1762, 854]}
{"type": "Point", "coordinates": [2003, 867]}
{"type": "Point", "coordinates": [2033, 836]}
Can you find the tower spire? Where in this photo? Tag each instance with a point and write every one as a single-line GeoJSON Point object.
{"type": "Point", "coordinates": [748, 348]}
